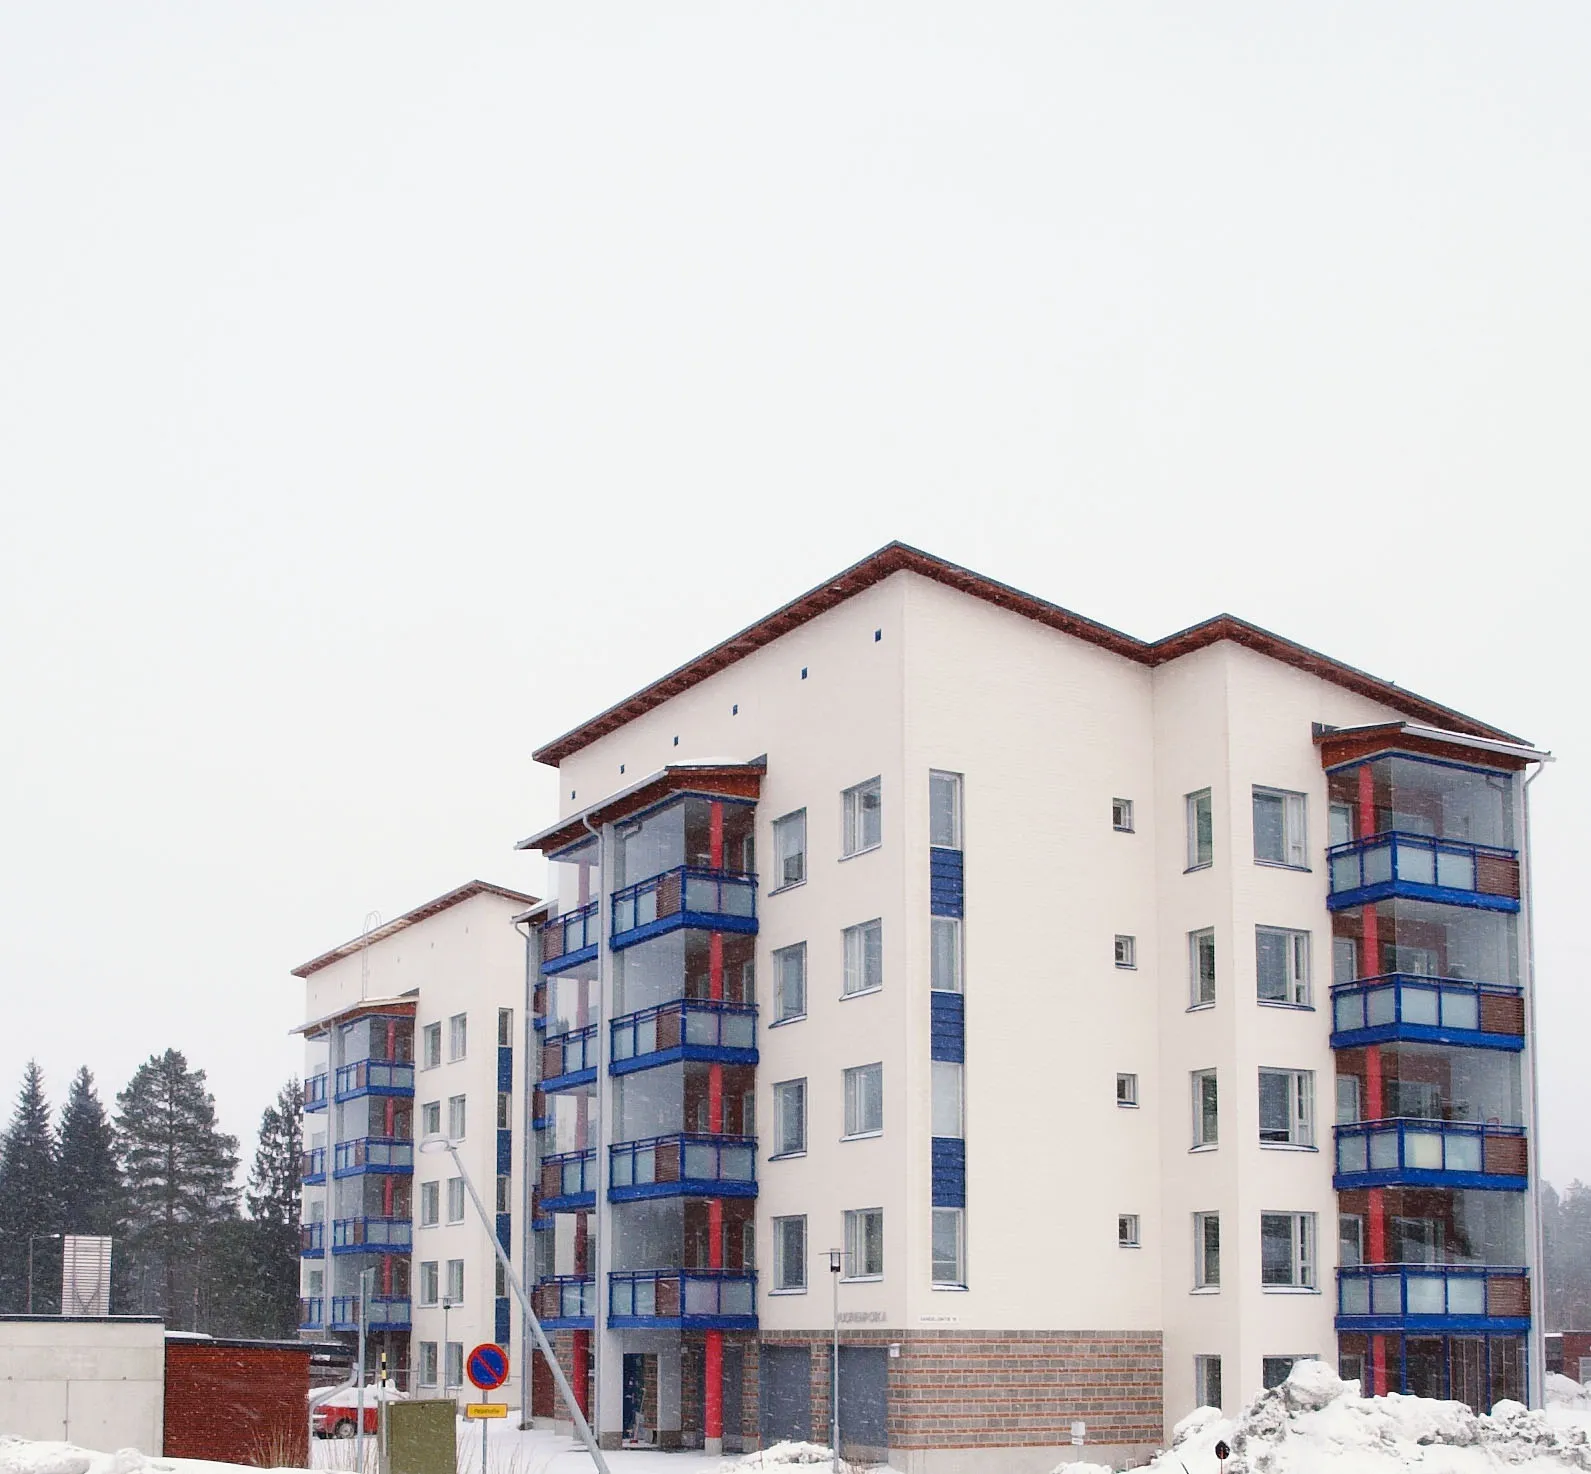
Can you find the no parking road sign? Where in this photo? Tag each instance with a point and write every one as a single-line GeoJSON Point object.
{"type": "Point", "coordinates": [487, 1366]}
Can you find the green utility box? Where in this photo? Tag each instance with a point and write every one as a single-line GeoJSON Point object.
{"type": "Point", "coordinates": [420, 1437]}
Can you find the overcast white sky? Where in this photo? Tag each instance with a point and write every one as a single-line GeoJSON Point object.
{"type": "Point", "coordinates": [384, 388]}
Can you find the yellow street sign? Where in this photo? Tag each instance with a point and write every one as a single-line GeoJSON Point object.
{"type": "Point", "coordinates": [486, 1410]}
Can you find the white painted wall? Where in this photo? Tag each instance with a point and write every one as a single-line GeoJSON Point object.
{"type": "Point", "coordinates": [96, 1383]}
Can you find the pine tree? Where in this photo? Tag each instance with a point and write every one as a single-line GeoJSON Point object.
{"type": "Point", "coordinates": [273, 1199]}
{"type": "Point", "coordinates": [29, 1202]}
{"type": "Point", "coordinates": [90, 1184]}
{"type": "Point", "coordinates": [178, 1167]}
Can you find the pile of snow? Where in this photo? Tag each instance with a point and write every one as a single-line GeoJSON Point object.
{"type": "Point", "coordinates": [1315, 1423]}
{"type": "Point", "coordinates": [1566, 1392]}
{"type": "Point", "coordinates": [24, 1456]}
{"type": "Point", "coordinates": [349, 1396]}
{"type": "Point", "coordinates": [780, 1455]}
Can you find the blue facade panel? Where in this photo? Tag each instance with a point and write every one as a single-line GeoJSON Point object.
{"type": "Point", "coordinates": [505, 1151]}
{"type": "Point", "coordinates": [505, 1067]}
{"type": "Point", "coordinates": [944, 882]}
{"type": "Point", "coordinates": [947, 1027]}
{"type": "Point", "coordinates": [949, 1172]}
{"type": "Point", "coordinates": [502, 1327]}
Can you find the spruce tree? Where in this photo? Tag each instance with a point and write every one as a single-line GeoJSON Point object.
{"type": "Point", "coordinates": [273, 1199]}
{"type": "Point", "coordinates": [90, 1184]}
{"type": "Point", "coordinates": [29, 1202]}
{"type": "Point", "coordinates": [178, 1167]}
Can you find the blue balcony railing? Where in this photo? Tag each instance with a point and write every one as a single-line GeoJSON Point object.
{"type": "Point", "coordinates": [312, 1165]}
{"type": "Point", "coordinates": [569, 1181]}
{"type": "Point", "coordinates": [566, 1301]}
{"type": "Point", "coordinates": [682, 1299]}
{"type": "Point", "coordinates": [315, 1092]}
{"type": "Point", "coordinates": [1433, 1297]}
{"type": "Point", "coordinates": [1400, 1006]}
{"type": "Point", "coordinates": [374, 1154]}
{"type": "Point", "coordinates": [311, 1239]}
{"type": "Point", "coordinates": [311, 1312]}
{"type": "Point", "coordinates": [1416, 1153]}
{"type": "Point", "coordinates": [569, 1059]}
{"type": "Point", "coordinates": [688, 1028]}
{"type": "Point", "coordinates": [683, 1164]}
{"type": "Point", "coordinates": [570, 939]}
{"type": "Point", "coordinates": [385, 1312]}
{"type": "Point", "coordinates": [688, 895]}
{"type": "Point", "coordinates": [368, 1235]}
{"type": "Point", "coordinates": [375, 1077]}
{"type": "Point", "coordinates": [1423, 868]}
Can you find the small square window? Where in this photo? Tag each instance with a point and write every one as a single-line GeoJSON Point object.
{"type": "Point", "coordinates": [1127, 1230]}
{"type": "Point", "coordinates": [944, 810]}
{"type": "Point", "coordinates": [1201, 830]}
{"type": "Point", "coordinates": [864, 1243]}
{"type": "Point", "coordinates": [863, 815]}
{"type": "Point", "coordinates": [790, 1253]}
{"type": "Point", "coordinates": [790, 982]}
{"type": "Point", "coordinates": [1280, 836]}
{"type": "Point", "coordinates": [949, 1255]}
{"type": "Point", "coordinates": [864, 957]}
{"type": "Point", "coordinates": [790, 849]}
{"type": "Point", "coordinates": [1121, 815]}
{"type": "Point", "coordinates": [1201, 967]}
{"type": "Point", "coordinates": [1126, 1090]}
{"type": "Point", "coordinates": [864, 1100]}
{"type": "Point", "coordinates": [945, 956]}
{"type": "Point", "coordinates": [1126, 951]}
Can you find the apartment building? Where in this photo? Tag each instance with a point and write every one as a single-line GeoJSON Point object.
{"type": "Point", "coordinates": [415, 1028]}
{"type": "Point", "coordinates": [1120, 1020]}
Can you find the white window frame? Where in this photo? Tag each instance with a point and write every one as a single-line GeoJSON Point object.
{"type": "Point", "coordinates": [854, 940]}
{"type": "Point", "coordinates": [783, 1090]}
{"type": "Point", "coordinates": [455, 1281]}
{"type": "Point", "coordinates": [957, 1278]}
{"type": "Point", "coordinates": [797, 954]}
{"type": "Point", "coordinates": [1201, 1142]}
{"type": "Point", "coordinates": [1202, 1367]}
{"type": "Point", "coordinates": [854, 813]}
{"type": "Point", "coordinates": [430, 1282]}
{"type": "Point", "coordinates": [505, 1110]}
{"type": "Point", "coordinates": [1128, 1231]}
{"type": "Point", "coordinates": [1126, 951]}
{"type": "Point", "coordinates": [854, 1266]}
{"type": "Point", "coordinates": [1121, 818]}
{"type": "Point", "coordinates": [1127, 1090]}
{"type": "Point", "coordinates": [941, 956]}
{"type": "Point", "coordinates": [786, 826]}
{"type": "Point", "coordinates": [938, 776]}
{"type": "Point", "coordinates": [1295, 827]}
{"type": "Point", "coordinates": [457, 1117]}
{"type": "Point", "coordinates": [1300, 1088]}
{"type": "Point", "coordinates": [455, 1200]}
{"type": "Point", "coordinates": [1203, 1223]}
{"type": "Point", "coordinates": [1295, 953]}
{"type": "Point", "coordinates": [458, 1037]}
{"type": "Point", "coordinates": [1291, 1361]}
{"type": "Point", "coordinates": [430, 1204]}
{"type": "Point", "coordinates": [947, 1099]}
{"type": "Point", "coordinates": [453, 1370]}
{"type": "Point", "coordinates": [431, 1046]}
{"type": "Point", "coordinates": [1202, 989]}
{"type": "Point", "coordinates": [428, 1364]}
{"type": "Point", "coordinates": [505, 1192]}
{"type": "Point", "coordinates": [430, 1119]}
{"type": "Point", "coordinates": [1197, 858]}
{"type": "Point", "coordinates": [505, 1028]}
{"type": "Point", "coordinates": [1305, 1255]}
{"type": "Point", "coordinates": [784, 1282]}
{"type": "Point", "coordinates": [858, 1093]}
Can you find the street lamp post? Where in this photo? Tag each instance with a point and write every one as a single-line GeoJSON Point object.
{"type": "Point", "coordinates": [565, 1391]}
{"type": "Point", "coordinates": [836, 1258]}
{"type": "Point", "coordinates": [447, 1306]}
{"type": "Point", "coordinates": [32, 1237]}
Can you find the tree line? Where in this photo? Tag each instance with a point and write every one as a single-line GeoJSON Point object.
{"type": "Point", "coordinates": [160, 1178]}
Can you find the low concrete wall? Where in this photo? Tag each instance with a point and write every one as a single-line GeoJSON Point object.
{"type": "Point", "coordinates": [95, 1383]}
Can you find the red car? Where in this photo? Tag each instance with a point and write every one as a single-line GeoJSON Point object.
{"type": "Point", "coordinates": [338, 1416]}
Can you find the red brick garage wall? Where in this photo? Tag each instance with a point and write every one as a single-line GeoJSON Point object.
{"type": "Point", "coordinates": [237, 1403]}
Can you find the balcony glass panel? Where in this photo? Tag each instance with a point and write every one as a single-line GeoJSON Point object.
{"type": "Point", "coordinates": [1438, 1082]}
{"type": "Point", "coordinates": [1416, 938]}
{"type": "Point", "coordinates": [1417, 796]}
{"type": "Point", "coordinates": [1427, 1294]}
{"type": "Point", "coordinates": [1434, 1292]}
{"type": "Point", "coordinates": [1466, 1295]}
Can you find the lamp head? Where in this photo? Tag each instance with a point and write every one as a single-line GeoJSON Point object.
{"type": "Point", "coordinates": [835, 1256]}
{"type": "Point", "coordinates": [435, 1142]}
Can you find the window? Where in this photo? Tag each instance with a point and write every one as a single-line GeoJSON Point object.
{"type": "Point", "coordinates": [789, 1117]}
{"type": "Point", "coordinates": [455, 1280]}
{"type": "Point", "coordinates": [1126, 1090]}
{"type": "Point", "coordinates": [864, 957]}
{"type": "Point", "coordinates": [505, 1110]}
{"type": "Point", "coordinates": [1350, 1239]}
{"type": "Point", "coordinates": [948, 1254]}
{"type": "Point", "coordinates": [431, 1119]}
{"type": "Point", "coordinates": [499, 1280]}
{"type": "Point", "coordinates": [1282, 965]}
{"type": "Point", "coordinates": [1207, 1381]}
{"type": "Point", "coordinates": [1127, 1230]}
{"type": "Point", "coordinates": [505, 1193]}
{"type": "Point", "coordinates": [790, 1253]}
{"type": "Point", "coordinates": [1206, 1251]}
{"type": "Point", "coordinates": [455, 1363]}
{"type": "Point", "coordinates": [431, 1040]}
{"type": "Point", "coordinates": [790, 849]}
{"type": "Point", "coordinates": [1347, 1099]}
{"type": "Point", "coordinates": [945, 956]}
{"type": "Point", "coordinates": [946, 1102]}
{"type": "Point", "coordinates": [1274, 1369]}
{"type": "Point", "coordinates": [1201, 968]}
{"type": "Point", "coordinates": [430, 1204]}
{"type": "Point", "coordinates": [1126, 951]}
{"type": "Point", "coordinates": [863, 813]}
{"type": "Point", "coordinates": [790, 982]}
{"type": "Point", "coordinates": [455, 1200]}
{"type": "Point", "coordinates": [1279, 837]}
{"type": "Point", "coordinates": [944, 810]}
{"type": "Point", "coordinates": [458, 1031]}
{"type": "Point", "coordinates": [505, 1028]}
{"type": "Point", "coordinates": [1287, 1107]}
{"type": "Point", "coordinates": [1121, 815]}
{"type": "Point", "coordinates": [428, 1282]}
{"type": "Point", "coordinates": [864, 1100]}
{"type": "Point", "coordinates": [1205, 1116]}
{"type": "Point", "coordinates": [1339, 824]}
{"type": "Point", "coordinates": [455, 1117]}
{"type": "Point", "coordinates": [1201, 830]}
{"type": "Point", "coordinates": [864, 1243]}
{"type": "Point", "coordinates": [428, 1363]}
{"type": "Point", "coordinates": [1287, 1251]}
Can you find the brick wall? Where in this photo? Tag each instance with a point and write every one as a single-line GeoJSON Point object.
{"type": "Point", "coordinates": [237, 1403]}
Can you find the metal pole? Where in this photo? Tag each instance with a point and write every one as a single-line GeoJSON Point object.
{"type": "Point", "coordinates": [485, 1424]}
{"type": "Point", "coordinates": [447, 1309]}
{"type": "Point", "coordinates": [31, 1238]}
{"type": "Point", "coordinates": [365, 1277]}
{"type": "Point", "coordinates": [834, 1391]}
{"type": "Point", "coordinates": [562, 1382]}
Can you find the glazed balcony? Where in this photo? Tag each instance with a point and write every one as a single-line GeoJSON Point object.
{"type": "Point", "coordinates": [1433, 1297]}
{"type": "Point", "coordinates": [374, 1154]}
{"type": "Point", "coordinates": [385, 1313]}
{"type": "Point", "coordinates": [1399, 1007]}
{"type": "Point", "coordinates": [311, 1240]}
{"type": "Point", "coordinates": [374, 1077]}
{"type": "Point", "coordinates": [566, 1302]}
{"type": "Point", "coordinates": [682, 1299]}
{"type": "Point", "coordinates": [1422, 868]}
{"type": "Point", "coordinates": [569, 1060]}
{"type": "Point", "coordinates": [1412, 1153]}
{"type": "Point", "coordinates": [570, 939]}
{"type": "Point", "coordinates": [683, 1164]}
{"type": "Point", "coordinates": [370, 1235]}
{"type": "Point", "coordinates": [315, 1092]}
{"type": "Point", "coordinates": [569, 1181]}
{"type": "Point", "coordinates": [312, 1165]}
{"type": "Point", "coordinates": [686, 896]}
{"type": "Point", "coordinates": [311, 1312]}
{"type": "Point", "coordinates": [708, 1029]}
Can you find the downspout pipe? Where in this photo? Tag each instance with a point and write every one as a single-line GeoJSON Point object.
{"type": "Point", "coordinates": [1535, 1351]}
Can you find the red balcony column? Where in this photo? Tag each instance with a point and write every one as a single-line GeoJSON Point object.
{"type": "Point", "coordinates": [581, 1356]}
{"type": "Point", "coordinates": [713, 1411]}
